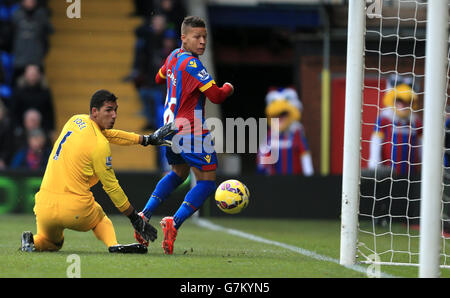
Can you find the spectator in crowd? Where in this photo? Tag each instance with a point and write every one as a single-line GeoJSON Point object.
{"type": "Point", "coordinates": [30, 44]}
{"type": "Point", "coordinates": [294, 157]}
{"type": "Point", "coordinates": [154, 42]}
{"type": "Point", "coordinates": [169, 42]}
{"type": "Point", "coordinates": [156, 38]}
{"type": "Point", "coordinates": [32, 92]}
{"type": "Point", "coordinates": [150, 93]}
{"type": "Point", "coordinates": [35, 155]}
{"type": "Point", "coordinates": [174, 11]}
{"type": "Point", "coordinates": [32, 120]}
{"type": "Point", "coordinates": [143, 7]}
{"type": "Point", "coordinates": [146, 39]}
{"type": "Point", "coordinates": [5, 137]}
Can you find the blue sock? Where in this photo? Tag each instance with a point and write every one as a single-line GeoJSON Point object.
{"type": "Point", "coordinates": [163, 189]}
{"type": "Point", "coordinates": [194, 200]}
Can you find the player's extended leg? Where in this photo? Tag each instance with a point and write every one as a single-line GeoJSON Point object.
{"type": "Point", "coordinates": [104, 231]}
{"type": "Point", "coordinates": [165, 187]}
{"type": "Point", "coordinates": [194, 199]}
{"type": "Point", "coordinates": [206, 185]}
{"type": "Point", "coordinates": [162, 191]}
{"type": "Point", "coordinates": [50, 234]}
{"type": "Point", "coordinates": [48, 238]}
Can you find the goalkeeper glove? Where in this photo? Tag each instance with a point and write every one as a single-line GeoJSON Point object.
{"type": "Point", "coordinates": [157, 138]}
{"type": "Point", "coordinates": [142, 227]}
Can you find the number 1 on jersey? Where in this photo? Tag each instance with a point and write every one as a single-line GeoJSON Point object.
{"type": "Point", "coordinates": [64, 139]}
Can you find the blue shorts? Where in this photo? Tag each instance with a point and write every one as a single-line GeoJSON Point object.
{"type": "Point", "coordinates": [196, 151]}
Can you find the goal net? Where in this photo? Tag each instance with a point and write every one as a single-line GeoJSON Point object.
{"type": "Point", "coordinates": [391, 143]}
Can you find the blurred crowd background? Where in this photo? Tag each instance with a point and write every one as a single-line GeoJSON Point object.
{"type": "Point", "coordinates": [285, 58]}
{"type": "Point", "coordinates": [52, 64]}
{"type": "Point", "coordinates": [28, 124]}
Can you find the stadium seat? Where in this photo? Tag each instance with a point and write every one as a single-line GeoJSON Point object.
{"type": "Point", "coordinates": [5, 91]}
{"type": "Point", "coordinates": [6, 11]}
{"type": "Point", "coordinates": [7, 62]}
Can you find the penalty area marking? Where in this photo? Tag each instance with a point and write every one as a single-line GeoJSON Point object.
{"type": "Point", "coordinates": [211, 226]}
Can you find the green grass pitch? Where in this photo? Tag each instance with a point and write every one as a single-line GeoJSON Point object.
{"type": "Point", "coordinates": [199, 252]}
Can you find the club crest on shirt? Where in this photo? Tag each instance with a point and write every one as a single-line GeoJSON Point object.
{"type": "Point", "coordinates": [203, 75]}
{"type": "Point", "coordinates": [109, 161]}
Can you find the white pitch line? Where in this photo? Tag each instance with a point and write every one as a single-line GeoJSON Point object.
{"type": "Point", "coordinates": [211, 226]}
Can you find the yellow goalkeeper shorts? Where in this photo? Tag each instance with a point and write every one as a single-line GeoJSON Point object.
{"type": "Point", "coordinates": [54, 213]}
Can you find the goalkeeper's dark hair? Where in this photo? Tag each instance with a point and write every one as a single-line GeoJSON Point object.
{"type": "Point", "coordinates": [100, 97]}
{"type": "Point", "coordinates": [193, 22]}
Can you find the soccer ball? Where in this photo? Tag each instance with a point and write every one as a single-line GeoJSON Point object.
{"type": "Point", "coordinates": [232, 196]}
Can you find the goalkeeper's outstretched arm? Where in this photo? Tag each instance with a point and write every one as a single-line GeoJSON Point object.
{"type": "Point", "coordinates": [124, 138]}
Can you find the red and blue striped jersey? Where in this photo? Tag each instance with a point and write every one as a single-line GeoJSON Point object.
{"type": "Point", "coordinates": [186, 78]}
{"type": "Point", "coordinates": [401, 141]}
{"type": "Point", "coordinates": [291, 146]}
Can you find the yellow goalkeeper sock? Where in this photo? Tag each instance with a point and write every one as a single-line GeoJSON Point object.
{"type": "Point", "coordinates": [104, 231]}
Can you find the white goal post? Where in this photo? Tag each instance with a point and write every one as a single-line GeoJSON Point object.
{"type": "Point", "coordinates": [395, 238]}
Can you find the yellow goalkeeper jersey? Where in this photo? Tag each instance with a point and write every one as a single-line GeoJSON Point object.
{"type": "Point", "coordinates": [81, 156]}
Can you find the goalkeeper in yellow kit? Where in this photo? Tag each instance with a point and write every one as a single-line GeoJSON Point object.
{"type": "Point", "coordinates": [80, 158]}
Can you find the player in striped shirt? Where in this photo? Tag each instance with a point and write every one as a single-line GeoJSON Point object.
{"type": "Point", "coordinates": [188, 85]}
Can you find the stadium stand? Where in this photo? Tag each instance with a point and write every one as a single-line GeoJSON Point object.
{"type": "Point", "coordinates": [94, 52]}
